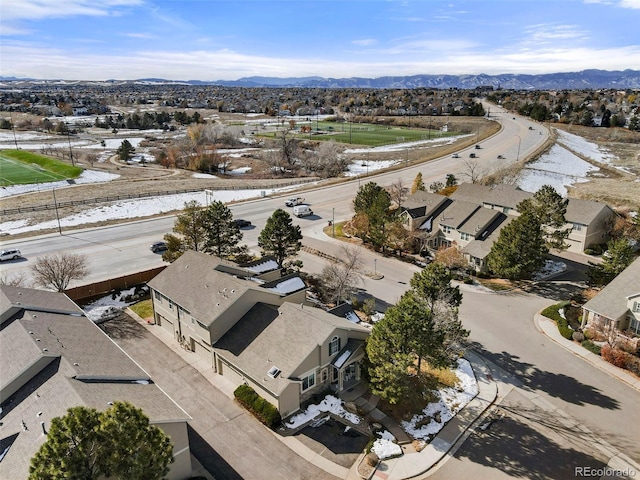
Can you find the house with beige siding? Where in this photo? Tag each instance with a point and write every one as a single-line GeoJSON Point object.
{"type": "Point", "coordinates": [53, 358]}
{"type": "Point", "coordinates": [472, 217]}
{"type": "Point", "coordinates": [617, 305]}
{"type": "Point", "coordinates": [255, 327]}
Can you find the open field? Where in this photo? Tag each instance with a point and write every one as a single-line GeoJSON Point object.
{"type": "Point", "coordinates": [19, 167]}
{"type": "Point", "coordinates": [368, 134]}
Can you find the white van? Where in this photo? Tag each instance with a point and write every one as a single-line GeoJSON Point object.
{"type": "Point", "coordinates": [302, 210]}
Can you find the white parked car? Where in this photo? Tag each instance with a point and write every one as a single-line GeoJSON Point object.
{"type": "Point", "coordinates": [10, 255]}
{"type": "Point", "coordinates": [292, 202]}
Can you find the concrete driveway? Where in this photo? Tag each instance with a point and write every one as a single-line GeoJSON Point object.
{"type": "Point", "coordinates": [225, 439]}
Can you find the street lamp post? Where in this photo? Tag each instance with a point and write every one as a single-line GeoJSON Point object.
{"type": "Point", "coordinates": [333, 222]}
{"type": "Point", "coordinates": [55, 202]}
{"type": "Point", "coordinates": [375, 266]}
{"type": "Point", "coordinates": [518, 154]}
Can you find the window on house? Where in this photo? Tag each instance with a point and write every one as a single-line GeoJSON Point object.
{"type": "Point", "coordinates": [308, 381]}
{"type": "Point", "coordinates": [636, 307]}
{"type": "Point", "coordinates": [465, 236]}
{"type": "Point", "coordinates": [577, 227]}
{"type": "Point", "coordinates": [446, 229]}
{"type": "Point", "coordinates": [634, 326]}
{"type": "Point", "coordinates": [157, 295]}
{"type": "Point", "coordinates": [334, 346]}
{"type": "Point", "coordinates": [506, 209]}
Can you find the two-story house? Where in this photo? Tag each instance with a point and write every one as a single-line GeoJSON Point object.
{"type": "Point", "coordinates": [472, 217]}
{"type": "Point", "coordinates": [53, 358]}
{"type": "Point", "coordinates": [257, 331]}
{"type": "Point", "coordinates": [617, 306]}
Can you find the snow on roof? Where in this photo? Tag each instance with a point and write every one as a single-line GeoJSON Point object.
{"type": "Point", "coordinates": [266, 266]}
{"type": "Point", "coordinates": [288, 286]}
{"type": "Point", "coordinates": [427, 224]}
{"type": "Point", "coordinates": [339, 362]}
{"type": "Point", "coordinates": [352, 317]}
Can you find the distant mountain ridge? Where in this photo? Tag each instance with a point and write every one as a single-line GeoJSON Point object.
{"type": "Point", "coordinates": [586, 79]}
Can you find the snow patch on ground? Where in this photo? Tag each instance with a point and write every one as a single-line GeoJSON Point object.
{"type": "Point", "coordinates": [550, 268]}
{"type": "Point", "coordinates": [87, 176]}
{"type": "Point", "coordinates": [385, 446]}
{"type": "Point", "coordinates": [584, 147]}
{"type": "Point", "coordinates": [203, 175]}
{"type": "Point", "coordinates": [558, 168]}
{"type": "Point", "coordinates": [329, 404]}
{"type": "Point", "coordinates": [451, 400]}
{"type": "Point", "coordinates": [144, 207]}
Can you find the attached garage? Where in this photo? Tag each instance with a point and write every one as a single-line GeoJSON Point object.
{"type": "Point", "coordinates": [164, 323]}
{"type": "Point", "coordinates": [202, 350]}
{"type": "Point", "coordinates": [229, 372]}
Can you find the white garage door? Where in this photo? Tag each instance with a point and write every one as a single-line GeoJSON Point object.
{"type": "Point", "coordinates": [202, 350]}
{"type": "Point", "coordinates": [164, 323]}
{"type": "Point", "coordinates": [231, 374]}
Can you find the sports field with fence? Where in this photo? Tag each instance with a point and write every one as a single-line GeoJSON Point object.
{"type": "Point", "coordinates": [19, 167]}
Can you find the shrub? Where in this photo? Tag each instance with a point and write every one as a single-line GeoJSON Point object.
{"type": "Point", "coordinates": [621, 359]}
{"type": "Point", "coordinates": [592, 347]}
{"type": "Point", "coordinates": [258, 406]}
{"type": "Point", "coordinates": [577, 337]}
{"type": "Point", "coordinates": [588, 251]}
{"type": "Point", "coordinates": [552, 312]}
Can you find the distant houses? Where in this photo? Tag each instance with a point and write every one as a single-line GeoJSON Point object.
{"type": "Point", "coordinates": [472, 217]}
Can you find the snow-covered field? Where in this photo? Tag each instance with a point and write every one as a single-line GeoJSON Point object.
{"type": "Point", "coordinates": [558, 168]}
{"type": "Point", "coordinates": [451, 401]}
{"type": "Point", "coordinates": [136, 209]}
{"type": "Point", "coordinates": [88, 176]}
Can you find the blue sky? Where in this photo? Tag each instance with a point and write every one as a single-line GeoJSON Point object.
{"type": "Point", "coordinates": [227, 40]}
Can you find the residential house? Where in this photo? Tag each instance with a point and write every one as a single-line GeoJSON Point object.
{"type": "Point", "coordinates": [460, 220]}
{"type": "Point", "coordinates": [617, 305]}
{"type": "Point", "coordinates": [257, 330]}
{"type": "Point", "coordinates": [54, 358]}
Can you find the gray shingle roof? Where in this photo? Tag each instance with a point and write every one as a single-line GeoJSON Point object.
{"type": "Point", "coordinates": [457, 213]}
{"type": "Point", "coordinates": [193, 282]}
{"type": "Point", "coordinates": [282, 336]}
{"type": "Point", "coordinates": [479, 221]}
{"type": "Point", "coordinates": [583, 211]}
{"type": "Point", "coordinates": [73, 347]}
{"type": "Point", "coordinates": [503, 195]}
{"type": "Point", "coordinates": [611, 302]}
{"type": "Point", "coordinates": [424, 204]}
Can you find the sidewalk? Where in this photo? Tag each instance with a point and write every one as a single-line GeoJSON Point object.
{"type": "Point", "coordinates": [549, 328]}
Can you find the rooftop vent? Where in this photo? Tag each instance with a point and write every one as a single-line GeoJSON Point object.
{"type": "Point", "coordinates": [273, 372]}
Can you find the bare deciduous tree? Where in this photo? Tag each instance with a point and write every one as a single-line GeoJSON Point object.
{"type": "Point", "coordinates": [58, 270]}
{"type": "Point", "coordinates": [16, 280]}
{"type": "Point", "coordinates": [398, 192]}
{"type": "Point", "coordinates": [341, 278]}
{"type": "Point", "coordinates": [472, 171]}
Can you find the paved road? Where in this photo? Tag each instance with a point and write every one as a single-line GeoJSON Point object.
{"type": "Point", "coordinates": [227, 440]}
{"type": "Point", "coordinates": [524, 443]}
{"type": "Point", "coordinates": [121, 249]}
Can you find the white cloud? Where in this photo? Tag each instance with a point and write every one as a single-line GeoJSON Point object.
{"type": "Point", "coordinates": [39, 9]}
{"type": "Point", "coordinates": [39, 61]}
{"type": "Point", "coordinates": [365, 42]}
{"type": "Point", "coordinates": [630, 4]}
{"type": "Point", "coordinates": [550, 33]}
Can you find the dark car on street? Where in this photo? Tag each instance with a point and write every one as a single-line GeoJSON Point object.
{"type": "Point", "coordinates": [242, 223]}
{"type": "Point", "coordinates": [158, 247]}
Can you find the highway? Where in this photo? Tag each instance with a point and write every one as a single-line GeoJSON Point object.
{"type": "Point", "coordinates": [124, 248]}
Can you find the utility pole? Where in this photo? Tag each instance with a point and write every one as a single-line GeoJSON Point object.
{"type": "Point", "coordinates": [55, 202]}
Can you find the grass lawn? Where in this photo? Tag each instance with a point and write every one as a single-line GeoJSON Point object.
{"type": "Point", "coordinates": [143, 309]}
{"type": "Point", "coordinates": [362, 133]}
{"type": "Point", "coordinates": [19, 167]}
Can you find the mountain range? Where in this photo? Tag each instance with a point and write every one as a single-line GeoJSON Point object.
{"type": "Point", "coordinates": [586, 79]}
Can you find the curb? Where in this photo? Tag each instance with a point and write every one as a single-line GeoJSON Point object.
{"type": "Point", "coordinates": [593, 359]}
